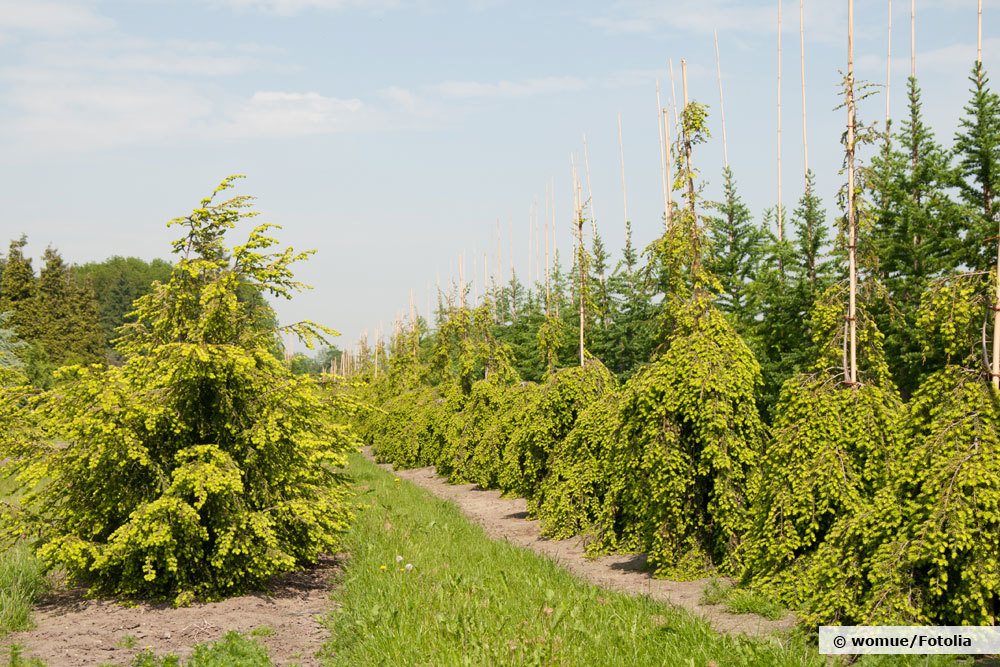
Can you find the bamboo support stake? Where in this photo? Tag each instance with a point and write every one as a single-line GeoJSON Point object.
{"type": "Point", "coordinates": [687, 148]}
{"type": "Point", "coordinates": [621, 157]}
{"type": "Point", "coordinates": [802, 71]}
{"type": "Point", "coordinates": [663, 158]}
{"type": "Point", "coordinates": [722, 102]}
{"type": "Point", "coordinates": [548, 222]}
{"type": "Point", "coordinates": [673, 92]}
{"type": "Point", "coordinates": [538, 245]}
{"type": "Point", "coordinates": [531, 236]}
{"type": "Point", "coordinates": [778, 213]}
{"type": "Point", "coordinates": [913, 38]}
{"type": "Point", "coordinates": [979, 34]}
{"type": "Point", "coordinates": [888, 68]}
{"type": "Point", "coordinates": [578, 201]}
{"type": "Point", "coordinates": [665, 120]}
{"type": "Point", "coordinates": [852, 371]}
{"type": "Point", "coordinates": [590, 189]}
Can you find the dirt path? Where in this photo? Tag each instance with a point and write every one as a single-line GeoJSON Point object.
{"type": "Point", "coordinates": [72, 631]}
{"type": "Point", "coordinates": [505, 518]}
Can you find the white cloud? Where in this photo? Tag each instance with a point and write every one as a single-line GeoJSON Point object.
{"type": "Point", "coordinates": [292, 7]}
{"type": "Point", "coordinates": [726, 16]}
{"type": "Point", "coordinates": [522, 88]}
{"type": "Point", "coordinates": [277, 113]}
{"type": "Point", "coordinates": [66, 114]}
{"type": "Point", "coordinates": [48, 17]}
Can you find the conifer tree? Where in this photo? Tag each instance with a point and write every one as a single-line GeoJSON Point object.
{"type": "Point", "coordinates": [736, 247]}
{"type": "Point", "coordinates": [977, 149]}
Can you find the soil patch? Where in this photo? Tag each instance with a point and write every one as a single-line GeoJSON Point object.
{"type": "Point", "coordinates": [72, 630]}
{"type": "Point", "coordinates": [505, 518]}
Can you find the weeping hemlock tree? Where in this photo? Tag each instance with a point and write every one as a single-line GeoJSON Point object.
{"type": "Point", "coordinates": [202, 466]}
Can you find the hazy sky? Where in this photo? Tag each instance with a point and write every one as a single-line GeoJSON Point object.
{"type": "Point", "coordinates": [391, 135]}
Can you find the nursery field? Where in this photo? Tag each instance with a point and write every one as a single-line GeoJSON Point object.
{"type": "Point", "coordinates": [690, 453]}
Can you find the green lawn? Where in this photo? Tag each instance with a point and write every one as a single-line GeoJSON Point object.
{"type": "Point", "coordinates": [22, 578]}
{"type": "Point", "coordinates": [470, 600]}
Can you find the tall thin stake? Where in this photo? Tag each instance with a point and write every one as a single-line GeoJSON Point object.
{"type": "Point", "coordinates": [979, 34]}
{"type": "Point", "coordinates": [687, 147]}
{"type": "Point", "coordinates": [802, 70]}
{"type": "Point", "coordinates": [548, 212]}
{"type": "Point", "coordinates": [590, 189]}
{"type": "Point", "coordinates": [579, 258]}
{"type": "Point", "coordinates": [722, 102]}
{"type": "Point", "coordinates": [663, 157]}
{"type": "Point", "coordinates": [913, 38]}
{"type": "Point", "coordinates": [673, 91]}
{"type": "Point", "coordinates": [668, 158]}
{"type": "Point", "coordinates": [778, 215]}
{"type": "Point", "coordinates": [621, 157]}
{"type": "Point", "coordinates": [888, 68]}
{"type": "Point", "coordinates": [852, 371]}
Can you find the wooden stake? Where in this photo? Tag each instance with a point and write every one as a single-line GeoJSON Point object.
{"type": "Point", "coordinates": [913, 38]}
{"type": "Point", "coordinates": [621, 157]}
{"type": "Point", "coordinates": [979, 34]}
{"type": "Point", "coordinates": [590, 189]}
{"type": "Point", "coordinates": [888, 69]}
{"type": "Point", "coordinates": [663, 157]}
{"type": "Point", "coordinates": [531, 236]}
{"type": "Point", "coordinates": [665, 120]}
{"type": "Point", "coordinates": [673, 91]}
{"type": "Point", "coordinates": [802, 70]}
{"type": "Point", "coordinates": [548, 212]}
{"type": "Point", "coordinates": [852, 371]}
{"type": "Point", "coordinates": [778, 216]}
{"type": "Point", "coordinates": [722, 102]}
{"type": "Point", "coordinates": [687, 147]}
{"type": "Point", "coordinates": [578, 200]}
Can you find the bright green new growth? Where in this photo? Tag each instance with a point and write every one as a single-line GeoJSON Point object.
{"type": "Point", "coordinates": [202, 466]}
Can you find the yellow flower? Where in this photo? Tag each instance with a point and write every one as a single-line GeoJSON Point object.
{"type": "Point", "coordinates": [382, 567]}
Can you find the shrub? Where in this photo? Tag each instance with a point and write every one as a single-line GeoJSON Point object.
{"type": "Point", "coordinates": [202, 466]}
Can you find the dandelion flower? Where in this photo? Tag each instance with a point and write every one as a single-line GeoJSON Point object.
{"type": "Point", "coordinates": [382, 567]}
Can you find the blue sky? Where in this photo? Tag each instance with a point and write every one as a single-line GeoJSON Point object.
{"type": "Point", "coordinates": [391, 135]}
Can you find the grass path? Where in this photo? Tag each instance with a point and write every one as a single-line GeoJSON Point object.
{"type": "Point", "coordinates": [471, 600]}
{"type": "Point", "coordinates": [505, 518]}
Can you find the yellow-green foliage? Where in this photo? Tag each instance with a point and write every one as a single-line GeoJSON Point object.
{"type": "Point", "coordinates": [400, 429]}
{"type": "Point", "coordinates": [828, 457]}
{"type": "Point", "coordinates": [201, 466]}
{"type": "Point", "coordinates": [926, 550]}
{"type": "Point", "coordinates": [571, 499]}
{"type": "Point", "coordinates": [549, 417]}
{"type": "Point", "coordinates": [485, 466]}
{"type": "Point", "coordinates": [474, 453]}
{"type": "Point", "coordinates": [692, 440]}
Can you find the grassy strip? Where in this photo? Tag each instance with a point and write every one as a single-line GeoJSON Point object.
{"type": "Point", "coordinates": [741, 600]}
{"type": "Point", "coordinates": [471, 600]}
{"type": "Point", "coordinates": [22, 578]}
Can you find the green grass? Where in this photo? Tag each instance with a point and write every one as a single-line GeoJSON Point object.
{"type": "Point", "coordinates": [741, 600]}
{"type": "Point", "coordinates": [22, 579]}
{"type": "Point", "coordinates": [233, 650]}
{"type": "Point", "coordinates": [472, 600]}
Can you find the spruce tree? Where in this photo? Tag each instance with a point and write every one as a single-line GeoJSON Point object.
{"type": "Point", "coordinates": [736, 247]}
{"type": "Point", "coordinates": [977, 149]}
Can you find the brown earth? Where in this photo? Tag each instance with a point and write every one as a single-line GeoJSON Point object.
{"type": "Point", "coordinates": [72, 631]}
{"type": "Point", "coordinates": [506, 518]}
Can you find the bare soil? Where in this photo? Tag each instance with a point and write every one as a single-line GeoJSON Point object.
{"type": "Point", "coordinates": [73, 631]}
{"type": "Point", "coordinates": [506, 518]}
